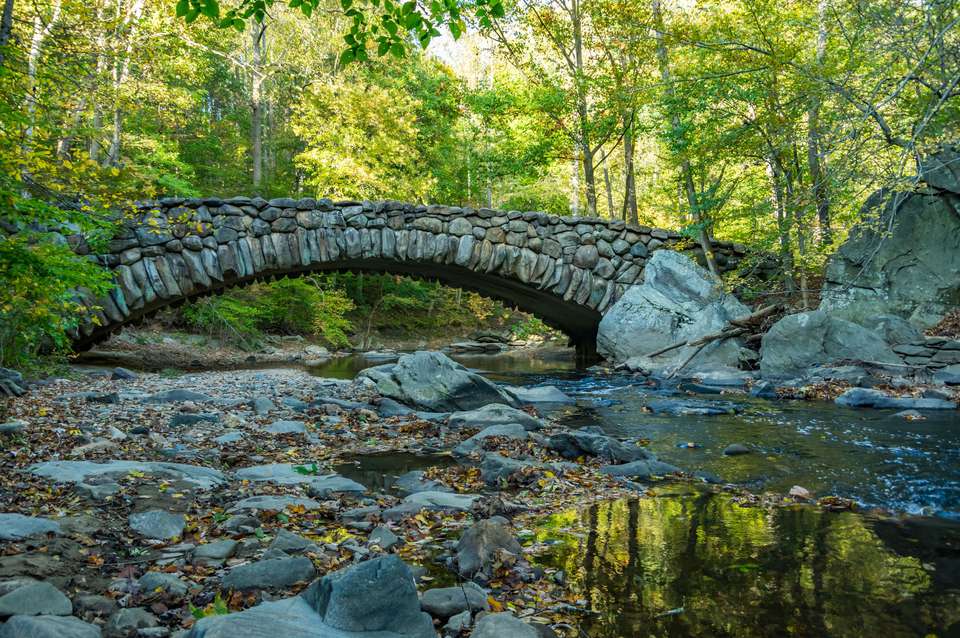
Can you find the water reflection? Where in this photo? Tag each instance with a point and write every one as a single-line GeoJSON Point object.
{"type": "Point", "coordinates": [379, 472]}
{"type": "Point", "coordinates": [749, 572]}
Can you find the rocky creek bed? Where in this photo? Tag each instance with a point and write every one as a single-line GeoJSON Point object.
{"type": "Point", "coordinates": [423, 499]}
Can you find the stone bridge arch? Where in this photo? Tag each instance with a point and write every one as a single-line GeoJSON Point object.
{"type": "Point", "coordinates": [566, 270]}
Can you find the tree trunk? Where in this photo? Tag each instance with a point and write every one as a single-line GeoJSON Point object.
{"type": "Point", "coordinates": [41, 30]}
{"type": "Point", "coordinates": [121, 71]}
{"type": "Point", "coordinates": [686, 169]}
{"type": "Point", "coordinates": [6, 27]}
{"type": "Point", "coordinates": [257, 32]}
{"type": "Point", "coordinates": [575, 183]}
{"type": "Point", "coordinates": [606, 182]}
{"type": "Point", "coordinates": [783, 223]}
{"type": "Point", "coordinates": [630, 176]}
{"type": "Point", "coordinates": [815, 161]}
{"type": "Point", "coordinates": [586, 150]}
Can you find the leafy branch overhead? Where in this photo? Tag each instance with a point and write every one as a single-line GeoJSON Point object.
{"type": "Point", "coordinates": [386, 26]}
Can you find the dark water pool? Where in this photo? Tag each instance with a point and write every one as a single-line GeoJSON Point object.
{"type": "Point", "coordinates": [701, 565]}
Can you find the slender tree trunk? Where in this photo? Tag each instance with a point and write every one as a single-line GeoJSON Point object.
{"type": "Point", "coordinates": [101, 68]}
{"type": "Point", "coordinates": [606, 182]}
{"type": "Point", "coordinates": [783, 222]}
{"type": "Point", "coordinates": [586, 150]}
{"type": "Point", "coordinates": [686, 169]}
{"type": "Point", "coordinates": [630, 176]}
{"type": "Point", "coordinates": [121, 71]}
{"type": "Point", "coordinates": [41, 30]}
{"type": "Point", "coordinates": [6, 27]}
{"type": "Point", "coordinates": [258, 34]}
{"type": "Point", "coordinates": [815, 161]}
{"type": "Point", "coordinates": [575, 183]}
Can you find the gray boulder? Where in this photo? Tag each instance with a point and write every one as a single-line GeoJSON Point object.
{"type": "Point", "coordinates": [432, 381]}
{"type": "Point", "coordinates": [503, 625]}
{"type": "Point", "coordinates": [15, 527]}
{"type": "Point", "coordinates": [157, 524]}
{"type": "Point", "coordinates": [445, 602]}
{"type": "Point", "coordinates": [806, 339]}
{"type": "Point", "coordinates": [904, 258]}
{"type": "Point", "coordinates": [590, 442]}
{"type": "Point", "coordinates": [870, 398]}
{"type": "Point", "coordinates": [641, 469]}
{"type": "Point", "coordinates": [512, 431]}
{"type": "Point", "coordinates": [493, 414]}
{"type": "Point", "coordinates": [126, 623]}
{"type": "Point", "coordinates": [949, 375]}
{"type": "Point", "coordinates": [270, 573]}
{"type": "Point", "coordinates": [496, 468]}
{"type": "Point", "coordinates": [169, 583]}
{"type": "Point", "coordinates": [48, 627]}
{"type": "Point", "coordinates": [479, 545]}
{"type": "Point", "coordinates": [35, 599]}
{"type": "Point", "coordinates": [677, 301]}
{"type": "Point", "coordinates": [546, 394]}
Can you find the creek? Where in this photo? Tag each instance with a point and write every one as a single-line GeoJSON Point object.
{"type": "Point", "coordinates": [686, 561]}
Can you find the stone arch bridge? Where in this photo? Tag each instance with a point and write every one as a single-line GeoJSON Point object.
{"type": "Point", "coordinates": [566, 270]}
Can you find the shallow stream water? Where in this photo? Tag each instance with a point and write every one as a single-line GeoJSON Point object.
{"type": "Point", "coordinates": [688, 562]}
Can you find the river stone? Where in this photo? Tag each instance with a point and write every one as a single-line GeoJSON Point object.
{"type": "Point", "coordinates": [512, 431]}
{"type": "Point", "coordinates": [273, 503]}
{"type": "Point", "coordinates": [432, 501]}
{"type": "Point", "coordinates": [432, 381]}
{"type": "Point", "coordinates": [870, 398]}
{"type": "Point", "coordinates": [949, 375]}
{"type": "Point", "coordinates": [736, 449]}
{"type": "Point", "coordinates": [270, 573]}
{"type": "Point", "coordinates": [126, 622]}
{"type": "Point", "coordinates": [591, 442]}
{"type": "Point", "coordinates": [287, 544]}
{"type": "Point", "coordinates": [12, 427]}
{"type": "Point", "coordinates": [678, 301]}
{"type": "Point", "coordinates": [185, 418]}
{"type": "Point", "coordinates": [799, 341]}
{"type": "Point", "coordinates": [479, 545]}
{"type": "Point", "coordinates": [538, 394]}
{"type": "Point", "coordinates": [903, 260]}
{"type": "Point", "coordinates": [48, 627]}
{"type": "Point", "coordinates": [320, 486]}
{"type": "Point", "coordinates": [493, 414]}
{"type": "Point", "coordinates": [15, 527]}
{"type": "Point", "coordinates": [153, 581]}
{"type": "Point", "coordinates": [215, 551]}
{"type": "Point", "coordinates": [384, 538]}
{"type": "Point", "coordinates": [445, 602]}
{"type": "Point", "coordinates": [503, 625]}
{"type": "Point", "coordinates": [692, 407]}
{"type": "Point", "coordinates": [416, 481]}
{"type": "Point", "coordinates": [496, 468]}
{"type": "Point", "coordinates": [80, 472]}
{"type": "Point", "coordinates": [177, 396]}
{"type": "Point", "coordinates": [641, 469]}
{"type": "Point", "coordinates": [35, 599]}
{"type": "Point", "coordinates": [287, 427]}
{"type": "Point", "coordinates": [157, 524]}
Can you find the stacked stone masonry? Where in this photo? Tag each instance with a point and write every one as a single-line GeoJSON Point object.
{"type": "Point", "coordinates": [176, 249]}
{"type": "Point", "coordinates": [930, 352]}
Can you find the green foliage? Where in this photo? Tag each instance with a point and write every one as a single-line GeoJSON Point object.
{"type": "Point", "coordinates": [218, 607]}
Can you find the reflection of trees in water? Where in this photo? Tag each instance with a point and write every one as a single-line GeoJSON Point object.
{"type": "Point", "coordinates": [742, 572]}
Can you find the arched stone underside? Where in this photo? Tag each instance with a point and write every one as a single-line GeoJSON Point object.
{"type": "Point", "coordinates": [566, 270]}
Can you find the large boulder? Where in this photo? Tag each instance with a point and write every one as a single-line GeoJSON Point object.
{"type": "Point", "coordinates": [806, 339]}
{"type": "Point", "coordinates": [904, 257]}
{"type": "Point", "coordinates": [375, 599]}
{"type": "Point", "coordinates": [678, 301]}
{"type": "Point", "coordinates": [479, 546]}
{"type": "Point", "coordinates": [432, 381]}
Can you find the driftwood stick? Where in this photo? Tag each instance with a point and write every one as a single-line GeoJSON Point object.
{"type": "Point", "coordinates": [726, 333]}
{"type": "Point", "coordinates": [688, 359]}
{"type": "Point", "coordinates": [755, 317]}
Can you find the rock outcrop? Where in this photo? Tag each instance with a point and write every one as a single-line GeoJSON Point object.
{"type": "Point", "coordinates": [678, 301]}
{"type": "Point", "coordinates": [904, 258]}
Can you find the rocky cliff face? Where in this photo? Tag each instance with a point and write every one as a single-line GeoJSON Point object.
{"type": "Point", "coordinates": [904, 259]}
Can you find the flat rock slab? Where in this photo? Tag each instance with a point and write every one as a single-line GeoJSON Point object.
{"type": "Point", "coordinates": [493, 414]}
{"type": "Point", "coordinates": [80, 472]}
{"type": "Point", "coordinates": [287, 427]}
{"type": "Point", "coordinates": [35, 599]}
{"type": "Point", "coordinates": [274, 503]}
{"type": "Point", "coordinates": [157, 524]}
{"type": "Point", "coordinates": [270, 574]}
{"type": "Point", "coordinates": [538, 394]}
{"type": "Point", "coordinates": [48, 627]}
{"type": "Point", "coordinates": [870, 398]}
{"type": "Point", "coordinates": [433, 501]}
{"type": "Point", "coordinates": [15, 527]}
{"type": "Point", "coordinates": [692, 407]}
{"type": "Point", "coordinates": [640, 469]}
{"type": "Point", "coordinates": [501, 626]}
{"type": "Point", "coordinates": [284, 474]}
